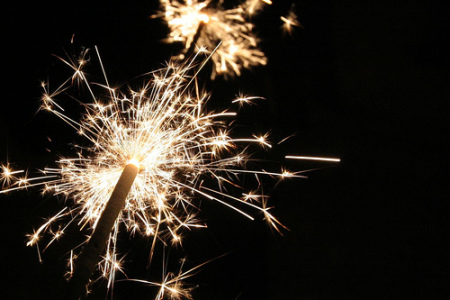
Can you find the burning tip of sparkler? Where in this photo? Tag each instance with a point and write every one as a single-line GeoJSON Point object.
{"type": "Point", "coordinates": [203, 18]}
{"type": "Point", "coordinates": [134, 161]}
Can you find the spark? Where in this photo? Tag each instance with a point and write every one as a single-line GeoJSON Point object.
{"type": "Point", "coordinates": [290, 21]}
{"type": "Point", "coordinates": [8, 175]}
{"type": "Point", "coordinates": [194, 22]}
{"type": "Point", "coordinates": [245, 100]}
{"type": "Point", "coordinates": [270, 219]}
{"type": "Point", "coordinates": [183, 152]}
{"type": "Point", "coordinates": [254, 6]}
{"type": "Point", "coordinates": [328, 159]}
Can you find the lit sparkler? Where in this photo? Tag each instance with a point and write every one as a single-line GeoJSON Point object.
{"type": "Point", "coordinates": [202, 23]}
{"type": "Point", "coordinates": [168, 146]}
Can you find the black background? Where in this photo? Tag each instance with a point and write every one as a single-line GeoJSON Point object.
{"type": "Point", "coordinates": [366, 81]}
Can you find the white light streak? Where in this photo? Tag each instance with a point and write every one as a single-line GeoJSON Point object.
{"type": "Point", "coordinates": [329, 159]}
{"type": "Point", "coordinates": [183, 151]}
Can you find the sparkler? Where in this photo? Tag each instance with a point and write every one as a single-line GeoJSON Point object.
{"type": "Point", "coordinates": [203, 23]}
{"type": "Point", "coordinates": [155, 150]}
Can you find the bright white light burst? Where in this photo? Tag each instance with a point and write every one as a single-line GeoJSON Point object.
{"type": "Point", "coordinates": [184, 153]}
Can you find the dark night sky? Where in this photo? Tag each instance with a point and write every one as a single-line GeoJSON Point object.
{"type": "Point", "coordinates": [365, 81]}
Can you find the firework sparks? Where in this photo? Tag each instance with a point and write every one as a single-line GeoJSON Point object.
{"type": "Point", "coordinates": [290, 21]}
{"type": "Point", "coordinates": [193, 22]}
{"type": "Point", "coordinates": [182, 151]}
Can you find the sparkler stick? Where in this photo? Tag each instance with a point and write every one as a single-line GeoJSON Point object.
{"type": "Point", "coordinates": [89, 257]}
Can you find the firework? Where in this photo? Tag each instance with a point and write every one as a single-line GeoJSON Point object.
{"type": "Point", "coordinates": [173, 149]}
{"type": "Point", "coordinates": [207, 24]}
